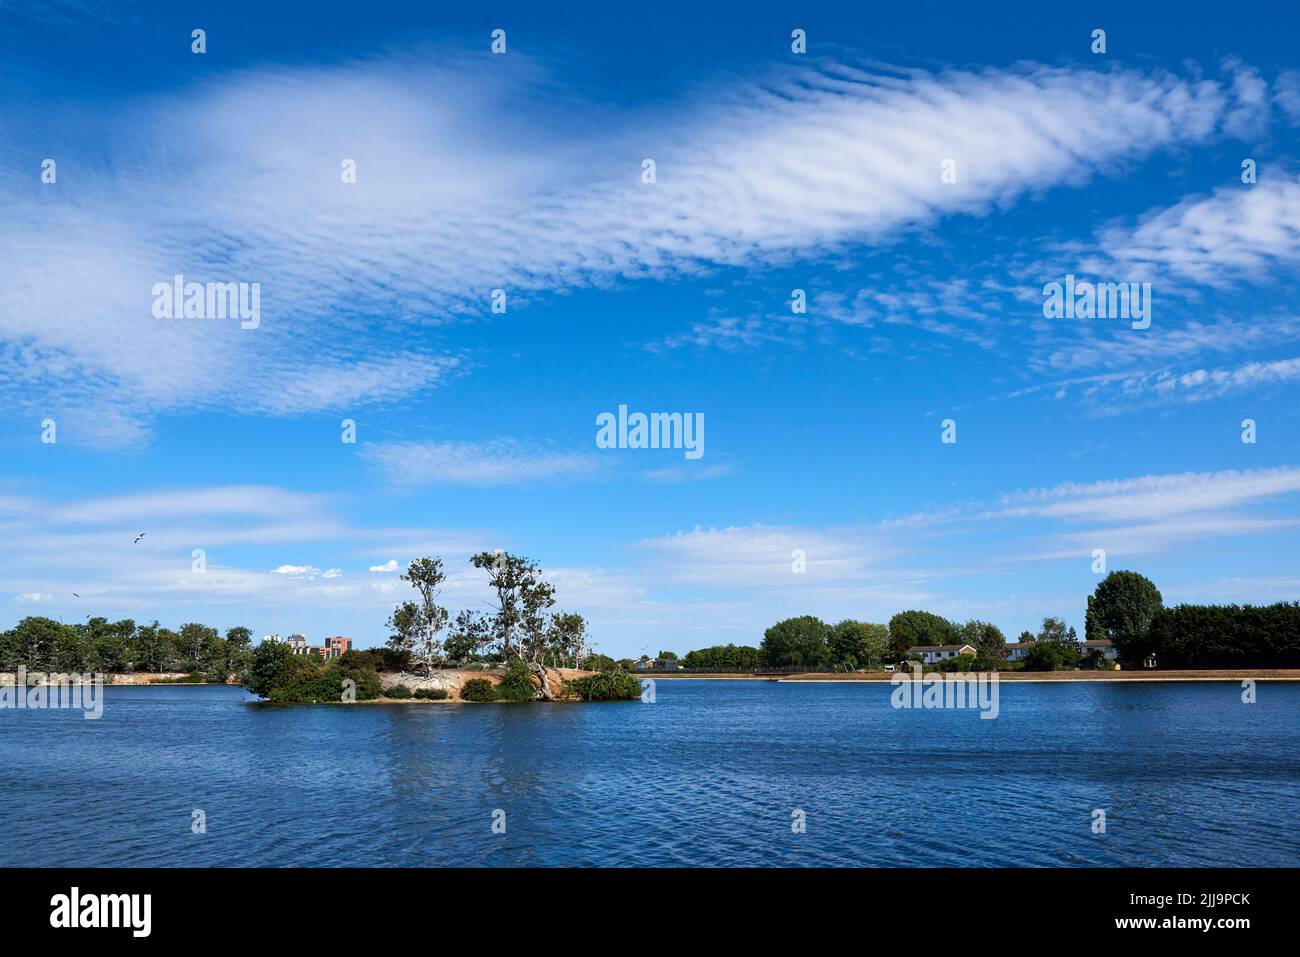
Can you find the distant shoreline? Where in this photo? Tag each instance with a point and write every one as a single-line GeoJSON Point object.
{"type": "Point", "coordinates": [1034, 677]}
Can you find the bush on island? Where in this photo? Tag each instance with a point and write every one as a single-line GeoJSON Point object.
{"type": "Point", "coordinates": [605, 686]}
{"type": "Point", "coordinates": [477, 689]}
{"type": "Point", "coordinates": [517, 684]}
{"type": "Point", "coordinates": [279, 675]}
{"type": "Point", "coordinates": [432, 694]}
{"type": "Point", "coordinates": [397, 691]}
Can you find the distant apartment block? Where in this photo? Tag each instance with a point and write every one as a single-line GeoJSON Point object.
{"type": "Point", "coordinates": [336, 646]}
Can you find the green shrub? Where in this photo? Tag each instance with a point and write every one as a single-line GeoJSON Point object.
{"type": "Point", "coordinates": [304, 679]}
{"type": "Point", "coordinates": [605, 686]}
{"type": "Point", "coordinates": [477, 689]}
{"type": "Point", "coordinates": [517, 684]}
{"type": "Point", "coordinates": [432, 694]}
{"type": "Point", "coordinates": [397, 691]}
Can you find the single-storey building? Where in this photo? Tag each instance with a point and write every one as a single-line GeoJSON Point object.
{"type": "Point", "coordinates": [932, 654]}
{"type": "Point", "coordinates": [659, 664]}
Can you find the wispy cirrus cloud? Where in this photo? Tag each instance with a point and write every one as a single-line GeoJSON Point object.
{"type": "Point", "coordinates": [494, 462]}
{"type": "Point", "coordinates": [1237, 232]}
{"type": "Point", "coordinates": [797, 165]}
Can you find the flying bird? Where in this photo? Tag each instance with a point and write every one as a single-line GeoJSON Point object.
{"type": "Point", "coordinates": [75, 595]}
{"type": "Point", "coordinates": [137, 538]}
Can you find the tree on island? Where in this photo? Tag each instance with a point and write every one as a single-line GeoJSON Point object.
{"type": "Point", "coordinates": [429, 618]}
{"type": "Point", "coordinates": [519, 625]}
{"type": "Point", "coordinates": [469, 636]}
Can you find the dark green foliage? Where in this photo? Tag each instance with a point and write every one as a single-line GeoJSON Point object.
{"type": "Point", "coordinates": [722, 657]}
{"type": "Point", "coordinates": [988, 641]}
{"type": "Point", "coordinates": [269, 668]}
{"type": "Point", "coordinates": [98, 645]}
{"type": "Point", "coordinates": [605, 686]}
{"type": "Point", "coordinates": [801, 642]}
{"type": "Point", "coordinates": [397, 691]}
{"type": "Point", "coordinates": [389, 659]}
{"type": "Point", "coordinates": [910, 628]}
{"type": "Point", "coordinates": [959, 663]}
{"type": "Point", "coordinates": [477, 689]}
{"type": "Point", "coordinates": [517, 684]}
{"type": "Point", "coordinates": [596, 662]}
{"type": "Point", "coordinates": [1226, 636]}
{"type": "Point", "coordinates": [1050, 656]}
{"type": "Point", "coordinates": [1125, 604]}
{"type": "Point", "coordinates": [278, 674]}
{"type": "Point", "coordinates": [432, 694]}
{"type": "Point", "coordinates": [858, 644]}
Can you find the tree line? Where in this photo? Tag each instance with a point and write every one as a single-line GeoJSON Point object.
{"type": "Point", "coordinates": [1126, 608]}
{"type": "Point", "coordinates": [99, 645]}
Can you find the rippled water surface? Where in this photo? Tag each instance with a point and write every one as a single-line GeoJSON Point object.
{"type": "Point", "coordinates": [708, 775]}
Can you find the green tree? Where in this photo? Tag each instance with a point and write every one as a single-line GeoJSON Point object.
{"type": "Point", "coordinates": [520, 619]}
{"type": "Point", "coordinates": [724, 658]}
{"type": "Point", "coordinates": [269, 668]}
{"type": "Point", "coordinates": [404, 625]}
{"type": "Point", "coordinates": [858, 644]}
{"type": "Point", "coordinates": [1050, 656]}
{"type": "Point", "coordinates": [150, 648]}
{"type": "Point", "coordinates": [1092, 627]}
{"type": "Point", "coordinates": [195, 639]}
{"type": "Point", "coordinates": [910, 628]}
{"type": "Point", "coordinates": [800, 642]}
{"type": "Point", "coordinates": [429, 618]}
{"type": "Point", "coordinates": [1053, 630]}
{"type": "Point", "coordinates": [987, 639]}
{"type": "Point", "coordinates": [468, 636]}
{"type": "Point", "coordinates": [566, 637]}
{"type": "Point", "coordinates": [1126, 603]}
{"type": "Point", "coordinates": [32, 642]}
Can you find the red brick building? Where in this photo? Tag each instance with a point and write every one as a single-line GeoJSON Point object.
{"type": "Point", "coordinates": [335, 646]}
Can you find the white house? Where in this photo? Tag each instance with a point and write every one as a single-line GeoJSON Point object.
{"type": "Point", "coordinates": [1104, 645]}
{"type": "Point", "coordinates": [1016, 650]}
{"type": "Point", "coordinates": [932, 654]}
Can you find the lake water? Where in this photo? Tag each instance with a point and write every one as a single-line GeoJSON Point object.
{"type": "Point", "coordinates": [707, 775]}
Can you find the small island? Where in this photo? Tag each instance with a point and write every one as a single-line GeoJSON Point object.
{"type": "Point", "coordinates": [518, 652]}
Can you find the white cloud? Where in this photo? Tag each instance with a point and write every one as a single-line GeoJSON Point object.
{"type": "Point", "coordinates": [1237, 231]}
{"type": "Point", "coordinates": [296, 571]}
{"type": "Point", "coordinates": [495, 462]}
{"type": "Point", "coordinates": [34, 597]}
{"type": "Point", "coordinates": [1150, 496]}
{"type": "Point", "coordinates": [388, 566]}
{"type": "Point", "coordinates": [796, 164]}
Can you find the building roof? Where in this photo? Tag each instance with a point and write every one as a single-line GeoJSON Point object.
{"type": "Point", "coordinates": [1022, 644]}
{"type": "Point", "coordinates": [938, 648]}
{"type": "Point", "coordinates": [1097, 643]}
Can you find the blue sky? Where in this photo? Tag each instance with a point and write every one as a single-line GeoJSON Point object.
{"type": "Point", "coordinates": [522, 172]}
